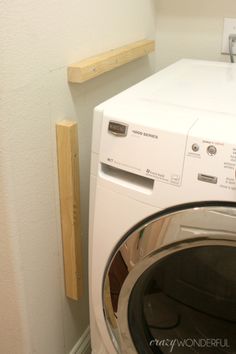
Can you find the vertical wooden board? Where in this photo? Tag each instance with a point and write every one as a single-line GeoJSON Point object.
{"type": "Point", "coordinates": [68, 172]}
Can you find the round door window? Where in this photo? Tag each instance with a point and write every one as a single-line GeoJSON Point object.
{"type": "Point", "coordinates": [186, 303]}
{"type": "Point", "coordinates": [170, 285]}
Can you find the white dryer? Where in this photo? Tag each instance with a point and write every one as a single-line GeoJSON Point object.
{"type": "Point", "coordinates": [162, 243]}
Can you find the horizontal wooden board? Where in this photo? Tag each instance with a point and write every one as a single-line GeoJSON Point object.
{"type": "Point", "coordinates": [92, 67]}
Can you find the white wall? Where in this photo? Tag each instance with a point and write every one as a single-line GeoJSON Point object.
{"type": "Point", "coordinates": [190, 29]}
{"type": "Point", "coordinates": [38, 40]}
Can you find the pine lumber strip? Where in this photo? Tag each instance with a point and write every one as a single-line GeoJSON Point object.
{"type": "Point", "coordinates": [92, 67]}
{"type": "Point", "coordinates": [68, 173]}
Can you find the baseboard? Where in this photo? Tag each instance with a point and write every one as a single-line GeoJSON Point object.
{"type": "Point", "coordinates": [83, 346]}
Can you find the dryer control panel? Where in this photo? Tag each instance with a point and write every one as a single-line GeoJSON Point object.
{"type": "Point", "coordinates": [213, 162]}
{"type": "Point", "coordinates": [211, 152]}
{"type": "Point", "coordinates": [141, 150]}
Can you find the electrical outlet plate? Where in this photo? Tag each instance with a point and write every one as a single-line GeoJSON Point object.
{"type": "Point", "coordinates": [229, 28]}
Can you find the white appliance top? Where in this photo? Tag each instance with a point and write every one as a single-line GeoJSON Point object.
{"type": "Point", "coordinates": [193, 84]}
{"type": "Point", "coordinates": [178, 129]}
{"type": "Point", "coordinates": [186, 94]}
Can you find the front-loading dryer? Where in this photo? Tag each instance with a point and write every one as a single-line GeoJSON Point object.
{"type": "Point", "coordinates": [162, 242]}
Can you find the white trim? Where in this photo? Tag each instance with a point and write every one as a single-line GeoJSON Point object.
{"type": "Point", "coordinates": [83, 346]}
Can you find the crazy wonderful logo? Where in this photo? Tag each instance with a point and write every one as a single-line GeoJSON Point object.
{"type": "Point", "coordinates": [190, 343]}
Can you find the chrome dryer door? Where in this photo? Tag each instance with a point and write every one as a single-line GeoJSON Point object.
{"type": "Point", "coordinates": [170, 285]}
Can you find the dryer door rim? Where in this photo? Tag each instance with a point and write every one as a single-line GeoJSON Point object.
{"type": "Point", "coordinates": [141, 237]}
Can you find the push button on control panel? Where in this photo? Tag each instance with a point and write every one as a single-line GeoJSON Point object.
{"type": "Point", "coordinates": [207, 178]}
{"type": "Point", "coordinates": [211, 150]}
{"type": "Point", "coordinates": [195, 147]}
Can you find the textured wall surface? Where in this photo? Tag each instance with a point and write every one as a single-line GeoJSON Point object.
{"type": "Point", "coordinates": [190, 29]}
{"type": "Point", "coordinates": [38, 41]}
